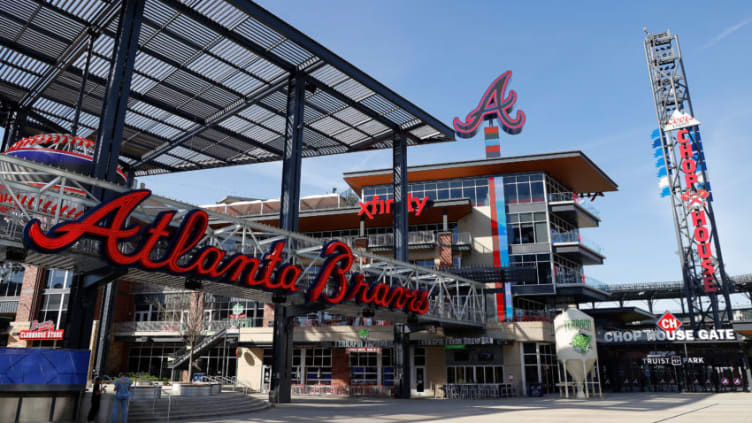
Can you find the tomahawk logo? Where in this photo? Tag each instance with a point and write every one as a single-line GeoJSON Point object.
{"type": "Point", "coordinates": [494, 104]}
{"type": "Point", "coordinates": [668, 322]}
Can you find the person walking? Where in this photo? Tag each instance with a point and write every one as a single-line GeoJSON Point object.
{"type": "Point", "coordinates": [96, 396]}
{"type": "Point", "coordinates": [122, 394]}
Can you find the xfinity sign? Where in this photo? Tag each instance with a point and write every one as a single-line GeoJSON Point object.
{"type": "Point", "coordinates": [668, 322]}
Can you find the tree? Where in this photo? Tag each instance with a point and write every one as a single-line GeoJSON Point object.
{"type": "Point", "coordinates": [188, 308]}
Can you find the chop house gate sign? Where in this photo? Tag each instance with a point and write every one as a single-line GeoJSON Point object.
{"type": "Point", "coordinates": [108, 222]}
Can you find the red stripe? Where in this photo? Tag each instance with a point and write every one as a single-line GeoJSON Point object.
{"type": "Point", "coordinates": [493, 148]}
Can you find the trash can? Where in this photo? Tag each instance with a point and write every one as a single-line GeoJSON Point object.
{"type": "Point", "coordinates": [535, 390]}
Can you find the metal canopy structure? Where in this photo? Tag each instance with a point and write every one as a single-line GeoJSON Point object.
{"type": "Point", "coordinates": [453, 300]}
{"type": "Point", "coordinates": [209, 88]}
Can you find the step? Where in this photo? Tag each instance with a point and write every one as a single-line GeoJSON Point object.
{"type": "Point", "coordinates": [225, 404]}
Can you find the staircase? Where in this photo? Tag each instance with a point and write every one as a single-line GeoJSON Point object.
{"type": "Point", "coordinates": [185, 354]}
{"type": "Point", "coordinates": [224, 404]}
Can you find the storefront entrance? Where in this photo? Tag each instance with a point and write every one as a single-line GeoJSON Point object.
{"type": "Point", "coordinates": [672, 368]}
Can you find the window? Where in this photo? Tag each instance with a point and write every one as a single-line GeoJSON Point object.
{"type": "Point", "coordinates": [364, 368]}
{"type": "Point", "coordinates": [540, 365]}
{"type": "Point", "coordinates": [540, 263]}
{"type": "Point", "coordinates": [59, 279]}
{"type": "Point", "coordinates": [318, 366]}
{"type": "Point", "coordinates": [524, 189]}
{"type": "Point", "coordinates": [387, 366]}
{"type": "Point", "coordinates": [11, 280]}
{"type": "Point", "coordinates": [54, 307]}
{"type": "Point", "coordinates": [475, 374]}
{"type": "Point", "coordinates": [527, 228]}
{"type": "Point", "coordinates": [475, 189]}
{"type": "Point", "coordinates": [251, 313]}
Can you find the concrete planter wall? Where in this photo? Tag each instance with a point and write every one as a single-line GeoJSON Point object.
{"type": "Point", "coordinates": [195, 389]}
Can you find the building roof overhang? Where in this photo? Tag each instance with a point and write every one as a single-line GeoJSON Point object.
{"type": "Point", "coordinates": [572, 168]}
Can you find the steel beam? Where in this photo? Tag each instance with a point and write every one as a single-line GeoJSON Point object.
{"type": "Point", "coordinates": [264, 16]}
{"type": "Point", "coordinates": [112, 120]}
{"type": "Point", "coordinates": [399, 185]}
{"type": "Point", "coordinates": [109, 139]}
{"type": "Point", "coordinates": [82, 92]}
{"type": "Point", "coordinates": [288, 220]}
{"type": "Point", "coordinates": [10, 125]}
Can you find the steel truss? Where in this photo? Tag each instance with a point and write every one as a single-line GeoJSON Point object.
{"type": "Point", "coordinates": [453, 300]}
{"type": "Point", "coordinates": [671, 93]}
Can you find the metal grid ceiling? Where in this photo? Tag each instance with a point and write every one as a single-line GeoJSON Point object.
{"type": "Point", "coordinates": [209, 86]}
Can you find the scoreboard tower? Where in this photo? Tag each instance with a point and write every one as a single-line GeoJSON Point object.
{"type": "Point", "coordinates": [677, 141]}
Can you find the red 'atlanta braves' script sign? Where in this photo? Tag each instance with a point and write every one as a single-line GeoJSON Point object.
{"type": "Point", "coordinates": [107, 222]}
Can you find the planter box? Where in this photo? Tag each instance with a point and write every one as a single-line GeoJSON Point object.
{"type": "Point", "coordinates": [195, 389]}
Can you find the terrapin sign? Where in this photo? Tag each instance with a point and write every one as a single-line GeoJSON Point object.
{"type": "Point", "coordinates": [108, 222]}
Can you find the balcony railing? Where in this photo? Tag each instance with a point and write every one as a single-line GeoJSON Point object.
{"type": "Point", "coordinates": [169, 326]}
{"type": "Point", "coordinates": [555, 197]}
{"type": "Point", "coordinates": [417, 238]}
{"type": "Point", "coordinates": [574, 236]}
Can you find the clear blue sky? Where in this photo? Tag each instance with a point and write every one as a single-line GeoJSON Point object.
{"type": "Point", "coordinates": [580, 75]}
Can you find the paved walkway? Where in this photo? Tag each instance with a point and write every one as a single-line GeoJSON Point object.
{"type": "Point", "coordinates": [613, 408]}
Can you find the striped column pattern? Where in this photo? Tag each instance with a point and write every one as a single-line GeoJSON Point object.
{"type": "Point", "coordinates": [493, 145]}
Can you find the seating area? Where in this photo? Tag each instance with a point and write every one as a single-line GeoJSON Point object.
{"type": "Point", "coordinates": [479, 391]}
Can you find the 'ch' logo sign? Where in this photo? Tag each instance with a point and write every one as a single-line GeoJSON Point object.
{"type": "Point", "coordinates": [494, 103]}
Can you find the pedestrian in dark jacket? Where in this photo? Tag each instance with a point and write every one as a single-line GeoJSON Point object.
{"type": "Point", "coordinates": [96, 396]}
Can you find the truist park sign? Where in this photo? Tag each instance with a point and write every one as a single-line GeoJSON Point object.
{"type": "Point", "coordinates": [108, 223]}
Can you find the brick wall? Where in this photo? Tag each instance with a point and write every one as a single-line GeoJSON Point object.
{"type": "Point", "coordinates": [445, 250]}
{"type": "Point", "coordinates": [340, 367]}
{"type": "Point", "coordinates": [28, 301]}
{"type": "Point", "coordinates": [28, 305]}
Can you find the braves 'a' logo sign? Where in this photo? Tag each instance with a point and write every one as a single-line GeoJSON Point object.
{"type": "Point", "coordinates": [494, 103]}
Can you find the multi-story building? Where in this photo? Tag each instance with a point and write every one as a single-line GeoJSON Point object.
{"type": "Point", "coordinates": [526, 215]}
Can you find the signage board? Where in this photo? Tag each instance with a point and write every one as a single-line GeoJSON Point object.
{"type": "Point", "coordinates": [44, 331]}
{"type": "Point", "coordinates": [495, 103]}
{"type": "Point", "coordinates": [363, 350]}
{"type": "Point", "coordinates": [110, 222]}
{"type": "Point", "coordinates": [656, 335]}
{"type": "Point", "coordinates": [679, 120]}
{"type": "Point", "coordinates": [668, 322]}
{"type": "Point", "coordinates": [376, 206]}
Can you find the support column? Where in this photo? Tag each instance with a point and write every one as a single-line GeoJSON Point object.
{"type": "Point", "coordinates": [10, 129]}
{"type": "Point", "coordinates": [402, 364]}
{"type": "Point", "coordinates": [109, 138]}
{"type": "Point", "coordinates": [399, 185]}
{"type": "Point", "coordinates": [282, 343]}
{"type": "Point", "coordinates": [112, 120]}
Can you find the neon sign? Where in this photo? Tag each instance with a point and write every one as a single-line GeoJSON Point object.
{"type": "Point", "coordinates": [376, 206]}
{"type": "Point", "coordinates": [44, 331]}
{"type": "Point", "coordinates": [107, 222]}
{"type": "Point", "coordinates": [494, 103]}
{"type": "Point", "coordinates": [696, 198]}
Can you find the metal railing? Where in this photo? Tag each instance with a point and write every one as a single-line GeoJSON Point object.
{"type": "Point", "coordinates": [169, 326]}
{"type": "Point", "coordinates": [575, 237]}
{"type": "Point", "coordinates": [562, 197]}
{"type": "Point", "coordinates": [229, 381]}
{"type": "Point", "coordinates": [27, 201]}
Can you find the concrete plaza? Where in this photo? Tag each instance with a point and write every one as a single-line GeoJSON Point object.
{"type": "Point", "coordinates": [613, 408]}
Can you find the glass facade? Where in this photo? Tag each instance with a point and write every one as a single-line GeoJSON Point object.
{"type": "Point", "coordinates": [540, 365]}
{"type": "Point", "coordinates": [527, 228]}
{"type": "Point", "coordinates": [541, 263]}
{"type": "Point", "coordinates": [11, 281]}
{"type": "Point", "coordinates": [151, 358]}
{"type": "Point", "coordinates": [476, 189]}
{"type": "Point", "coordinates": [364, 368]}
